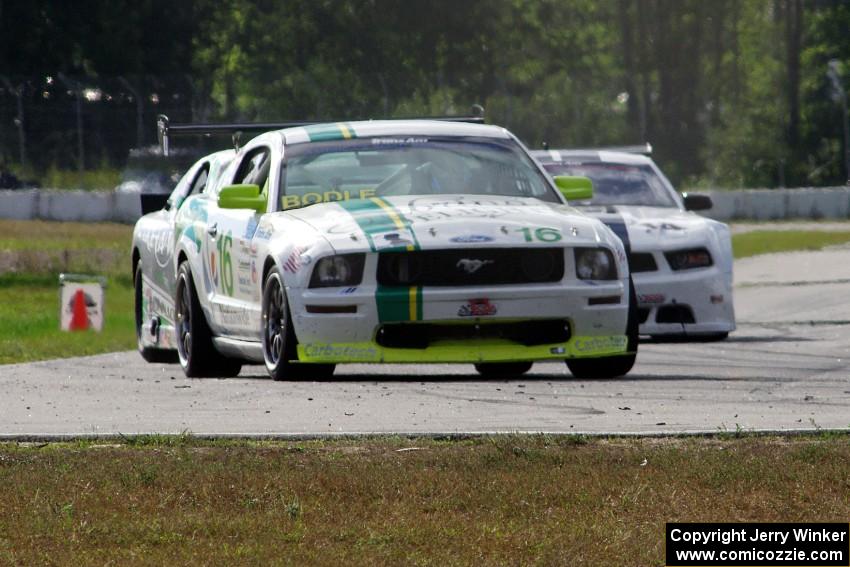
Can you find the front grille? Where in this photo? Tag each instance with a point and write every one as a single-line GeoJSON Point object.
{"type": "Point", "coordinates": [479, 266]}
{"type": "Point", "coordinates": [421, 335]}
{"type": "Point", "coordinates": [642, 262]}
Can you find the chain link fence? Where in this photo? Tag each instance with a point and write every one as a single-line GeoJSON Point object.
{"type": "Point", "coordinates": [86, 122]}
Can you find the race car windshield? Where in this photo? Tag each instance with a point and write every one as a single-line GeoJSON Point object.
{"type": "Point", "coordinates": [408, 165]}
{"type": "Point", "coordinates": [618, 184]}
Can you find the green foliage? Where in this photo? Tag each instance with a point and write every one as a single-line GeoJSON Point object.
{"type": "Point", "coordinates": [104, 179]}
{"type": "Point", "coordinates": [773, 241]}
{"type": "Point", "coordinates": [729, 92]}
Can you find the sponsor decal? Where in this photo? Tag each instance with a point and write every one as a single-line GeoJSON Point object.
{"type": "Point", "coordinates": [254, 275]}
{"type": "Point", "coordinates": [251, 228]}
{"type": "Point", "coordinates": [397, 141]}
{"type": "Point", "coordinates": [264, 232]}
{"type": "Point", "coordinates": [653, 298]}
{"type": "Point", "coordinates": [147, 296]}
{"type": "Point", "coordinates": [558, 350]}
{"type": "Point", "coordinates": [294, 261]}
{"type": "Point", "coordinates": [156, 302]}
{"type": "Point", "coordinates": [650, 226]}
{"type": "Point", "coordinates": [471, 239]}
{"type": "Point", "coordinates": [213, 269]}
{"type": "Point", "coordinates": [348, 291]}
{"type": "Point", "coordinates": [428, 209]}
{"type": "Point", "coordinates": [158, 243]}
{"type": "Point", "coordinates": [606, 344]}
{"type": "Point", "coordinates": [297, 201]}
{"type": "Point", "coordinates": [477, 308]}
{"type": "Point", "coordinates": [345, 352]}
{"type": "Point", "coordinates": [232, 315]}
{"type": "Point", "coordinates": [715, 299]}
{"type": "Point", "coordinates": [472, 265]}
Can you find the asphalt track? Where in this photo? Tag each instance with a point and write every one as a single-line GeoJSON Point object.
{"type": "Point", "coordinates": [786, 368]}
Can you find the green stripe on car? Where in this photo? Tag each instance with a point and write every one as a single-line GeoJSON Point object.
{"type": "Point", "coordinates": [375, 217]}
{"type": "Point", "coordinates": [325, 132]}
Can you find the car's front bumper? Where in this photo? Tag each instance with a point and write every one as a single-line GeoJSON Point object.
{"type": "Point", "coordinates": [594, 329]}
{"type": "Point", "coordinates": [685, 303]}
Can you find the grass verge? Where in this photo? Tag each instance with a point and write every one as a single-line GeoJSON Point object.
{"type": "Point", "coordinates": [29, 322]}
{"type": "Point", "coordinates": [773, 241]}
{"type": "Point", "coordinates": [504, 500]}
{"type": "Point", "coordinates": [32, 254]}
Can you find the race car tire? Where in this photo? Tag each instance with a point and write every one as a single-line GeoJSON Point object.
{"type": "Point", "coordinates": [682, 338]}
{"type": "Point", "coordinates": [503, 369]}
{"type": "Point", "coordinates": [277, 333]}
{"type": "Point", "coordinates": [198, 357]}
{"type": "Point", "coordinates": [612, 366]}
{"type": "Point", "coordinates": [312, 371]}
{"type": "Point", "coordinates": [712, 338]}
{"type": "Point", "coordinates": [149, 354]}
{"type": "Point", "coordinates": [602, 367]}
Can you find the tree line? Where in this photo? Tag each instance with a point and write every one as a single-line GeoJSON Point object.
{"type": "Point", "coordinates": [729, 92]}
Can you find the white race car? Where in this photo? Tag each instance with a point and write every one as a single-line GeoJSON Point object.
{"type": "Point", "coordinates": [681, 262]}
{"type": "Point", "coordinates": [381, 241]}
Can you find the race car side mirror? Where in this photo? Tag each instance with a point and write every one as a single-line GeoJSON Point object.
{"type": "Point", "coordinates": [574, 188]}
{"type": "Point", "coordinates": [242, 197]}
{"type": "Point", "coordinates": [697, 202]}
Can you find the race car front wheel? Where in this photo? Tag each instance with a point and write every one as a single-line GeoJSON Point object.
{"type": "Point", "coordinates": [279, 337]}
{"type": "Point", "coordinates": [197, 354]}
{"type": "Point", "coordinates": [612, 366]}
{"type": "Point", "coordinates": [503, 369]}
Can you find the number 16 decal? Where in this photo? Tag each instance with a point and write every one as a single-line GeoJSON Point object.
{"type": "Point", "coordinates": [224, 245]}
{"type": "Point", "coordinates": [541, 234]}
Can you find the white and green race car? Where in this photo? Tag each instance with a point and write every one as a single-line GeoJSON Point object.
{"type": "Point", "coordinates": [420, 241]}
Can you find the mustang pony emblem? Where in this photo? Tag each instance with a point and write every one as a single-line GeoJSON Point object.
{"type": "Point", "coordinates": [471, 266]}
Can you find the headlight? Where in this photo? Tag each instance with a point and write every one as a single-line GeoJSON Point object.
{"type": "Point", "coordinates": [595, 264]}
{"type": "Point", "coordinates": [689, 259]}
{"type": "Point", "coordinates": [335, 271]}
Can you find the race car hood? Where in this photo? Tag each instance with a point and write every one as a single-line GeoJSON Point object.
{"type": "Point", "coordinates": [656, 228]}
{"type": "Point", "coordinates": [440, 222]}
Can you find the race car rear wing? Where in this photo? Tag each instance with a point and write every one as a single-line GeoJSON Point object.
{"type": "Point", "coordinates": [643, 149]}
{"type": "Point", "coordinates": [165, 129]}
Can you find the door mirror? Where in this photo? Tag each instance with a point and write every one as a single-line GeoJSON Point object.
{"type": "Point", "coordinates": [242, 197]}
{"type": "Point", "coordinates": [574, 188]}
{"type": "Point", "coordinates": [697, 202]}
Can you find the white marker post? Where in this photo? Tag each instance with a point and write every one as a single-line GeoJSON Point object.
{"type": "Point", "coordinates": [81, 302]}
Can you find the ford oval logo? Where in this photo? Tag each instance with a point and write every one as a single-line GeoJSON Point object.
{"type": "Point", "coordinates": [471, 239]}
